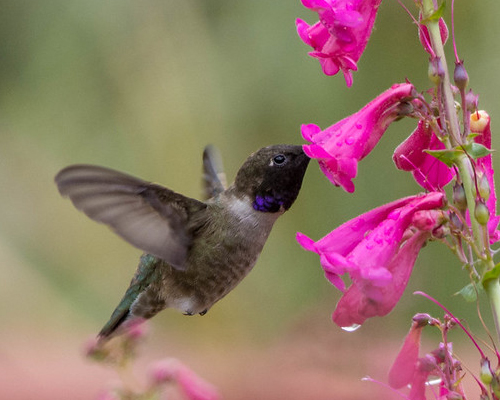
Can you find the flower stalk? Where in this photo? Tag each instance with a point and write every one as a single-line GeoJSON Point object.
{"type": "Point", "coordinates": [463, 163]}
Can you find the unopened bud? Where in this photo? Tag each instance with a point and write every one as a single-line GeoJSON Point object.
{"type": "Point", "coordinates": [427, 220]}
{"type": "Point", "coordinates": [483, 186]}
{"type": "Point", "coordinates": [485, 374]}
{"type": "Point", "coordinates": [436, 70]}
{"type": "Point", "coordinates": [459, 198]}
{"type": "Point", "coordinates": [422, 319]}
{"type": "Point", "coordinates": [471, 101]}
{"type": "Point", "coordinates": [460, 76]}
{"type": "Point", "coordinates": [456, 222]}
{"type": "Point", "coordinates": [481, 213]}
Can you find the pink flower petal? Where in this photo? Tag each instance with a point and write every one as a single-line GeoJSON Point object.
{"type": "Point", "coordinates": [428, 171]}
{"type": "Point", "coordinates": [341, 146]}
{"type": "Point", "coordinates": [372, 249]}
{"type": "Point", "coordinates": [403, 369]}
{"type": "Point", "coordinates": [341, 34]}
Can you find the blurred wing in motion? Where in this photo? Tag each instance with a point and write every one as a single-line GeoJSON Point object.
{"type": "Point", "coordinates": [214, 178]}
{"type": "Point", "coordinates": [148, 216]}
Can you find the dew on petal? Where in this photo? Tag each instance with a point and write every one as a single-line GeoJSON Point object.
{"type": "Point", "coordinates": [350, 140]}
{"type": "Point", "coordinates": [433, 382]}
{"type": "Point", "coordinates": [358, 126]}
{"type": "Point", "coordinates": [394, 215]}
{"type": "Point", "coordinates": [339, 144]}
{"type": "Point", "coordinates": [352, 328]}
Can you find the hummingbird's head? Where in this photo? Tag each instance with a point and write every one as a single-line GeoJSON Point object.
{"type": "Point", "coordinates": [272, 177]}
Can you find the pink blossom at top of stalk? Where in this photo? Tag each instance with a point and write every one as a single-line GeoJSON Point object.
{"type": "Point", "coordinates": [378, 251]}
{"type": "Point", "coordinates": [480, 123]}
{"type": "Point", "coordinates": [341, 34]}
{"type": "Point", "coordinates": [427, 170]}
{"type": "Point", "coordinates": [340, 146]}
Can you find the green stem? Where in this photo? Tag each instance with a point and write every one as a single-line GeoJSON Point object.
{"type": "Point", "coordinates": [492, 288]}
{"type": "Point", "coordinates": [451, 117]}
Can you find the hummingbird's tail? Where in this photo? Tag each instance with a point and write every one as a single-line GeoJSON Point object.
{"type": "Point", "coordinates": [137, 302]}
{"type": "Point", "coordinates": [118, 317]}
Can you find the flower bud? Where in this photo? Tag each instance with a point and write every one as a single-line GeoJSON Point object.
{"type": "Point", "coordinates": [422, 319]}
{"type": "Point", "coordinates": [436, 70]}
{"type": "Point", "coordinates": [471, 101]}
{"type": "Point", "coordinates": [460, 76]}
{"type": "Point", "coordinates": [483, 186]}
{"type": "Point", "coordinates": [427, 220]}
{"type": "Point", "coordinates": [456, 222]}
{"type": "Point", "coordinates": [481, 213]}
{"type": "Point", "coordinates": [485, 374]}
{"type": "Point", "coordinates": [459, 198]}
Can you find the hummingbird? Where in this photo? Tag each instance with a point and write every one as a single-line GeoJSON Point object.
{"type": "Point", "coordinates": [195, 252]}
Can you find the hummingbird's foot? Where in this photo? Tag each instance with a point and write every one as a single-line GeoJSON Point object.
{"type": "Point", "coordinates": [188, 313]}
{"type": "Point", "coordinates": [204, 312]}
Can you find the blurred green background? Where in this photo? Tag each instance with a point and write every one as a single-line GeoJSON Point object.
{"type": "Point", "coordinates": [142, 87]}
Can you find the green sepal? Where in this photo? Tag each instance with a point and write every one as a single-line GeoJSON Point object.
{"type": "Point", "coordinates": [494, 273]}
{"type": "Point", "coordinates": [449, 156]}
{"type": "Point", "coordinates": [446, 156]}
{"type": "Point", "coordinates": [435, 15]}
{"type": "Point", "coordinates": [477, 150]}
{"type": "Point", "coordinates": [468, 292]}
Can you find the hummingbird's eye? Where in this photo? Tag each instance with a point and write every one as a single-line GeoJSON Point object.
{"type": "Point", "coordinates": [279, 159]}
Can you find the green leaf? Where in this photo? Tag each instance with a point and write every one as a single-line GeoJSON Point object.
{"type": "Point", "coordinates": [492, 274]}
{"type": "Point", "coordinates": [468, 292]}
{"type": "Point", "coordinates": [446, 156]}
{"type": "Point", "coordinates": [477, 150]}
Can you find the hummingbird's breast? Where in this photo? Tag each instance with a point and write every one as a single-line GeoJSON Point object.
{"type": "Point", "coordinates": [228, 240]}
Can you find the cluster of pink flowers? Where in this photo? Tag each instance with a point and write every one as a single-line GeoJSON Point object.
{"type": "Point", "coordinates": [341, 34]}
{"type": "Point", "coordinates": [378, 249]}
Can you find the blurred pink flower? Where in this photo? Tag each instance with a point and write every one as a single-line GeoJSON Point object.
{"type": "Point", "coordinates": [194, 387]}
{"type": "Point", "coordinates": [481, 124]}
{"type": "Point", "coordinates": [428, 171]}
{"type": "Point", "coordinates": [402, 370]}
{"type": "Point", "coordinates": [340, 147]}
{"type": "Point", "coordinates": [341, 34]}
{"type": "Point", "coordinates": [378, 250]}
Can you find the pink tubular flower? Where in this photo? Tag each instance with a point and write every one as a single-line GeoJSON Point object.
{"type": "Point", "coordinates": [341, 34]}
{"type": "Point", "coordinates": [378, 250]}
{"type": "Point", "coordinates": [428, 171]}
{"type": "Point", "coordinates": [172, 370]}
{"type": "Point", "coordinates": [340, 147]}
{"type": "Point", "coordinates": [480, 123]}
{"type": "Point", "coordinates": [401, 372]}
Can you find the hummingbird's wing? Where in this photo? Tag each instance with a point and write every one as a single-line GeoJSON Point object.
{"type": "Point", "coordinates": [214, 178]}
{"type": "Point", "coordinates": [148, 216]}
